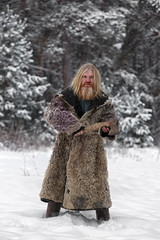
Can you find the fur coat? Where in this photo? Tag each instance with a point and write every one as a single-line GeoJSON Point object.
{"type": "Point", "coordinates": [77, 174]}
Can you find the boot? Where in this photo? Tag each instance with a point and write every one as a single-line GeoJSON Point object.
{"type": "Point", "coordinates": [102, 214]}
{"type": "Point", "coordinates": [53, 209]}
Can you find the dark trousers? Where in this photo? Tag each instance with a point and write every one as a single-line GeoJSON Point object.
{"type": "Point", "coordinates": [53, 209]}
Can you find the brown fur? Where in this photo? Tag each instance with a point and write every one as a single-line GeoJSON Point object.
{"type": "Point", "coordinates": [112, 125]}
{"type": "Point", "coordinates": [77, 173]}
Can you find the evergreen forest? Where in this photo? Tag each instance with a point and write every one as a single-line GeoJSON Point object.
{"type": "Point", "coordinates": [42, 45]}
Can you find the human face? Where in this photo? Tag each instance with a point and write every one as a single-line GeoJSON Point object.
{"type": "Point", "coordinates": [87, 79]}
{"type": "Point", "coordinates": [87, 86]}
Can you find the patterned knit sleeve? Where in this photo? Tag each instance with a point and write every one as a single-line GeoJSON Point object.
{"type": "Point", "coordinates": [60, 117]}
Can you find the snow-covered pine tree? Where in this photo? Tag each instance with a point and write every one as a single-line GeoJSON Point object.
{"type": "Point", "coordinates": [20, 92]}
{"type": "Point", "coordinates": [155, 4]}
{"type": "Point", "coordinates": [131, 111]}
{"type": "Point", "coordinates": [134, 129]}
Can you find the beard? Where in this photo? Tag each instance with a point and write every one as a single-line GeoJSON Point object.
{"type": "Point", "coordinates": [86, 93]}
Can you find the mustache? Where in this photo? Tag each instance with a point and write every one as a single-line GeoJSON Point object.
{"type": "Point", "coordinates": [90, 84]}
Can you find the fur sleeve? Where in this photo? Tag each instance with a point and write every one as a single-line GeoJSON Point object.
{"type": "Point", "coordinates": [59, 116]}
{"type": "Point", "coordinates": [108, 114]}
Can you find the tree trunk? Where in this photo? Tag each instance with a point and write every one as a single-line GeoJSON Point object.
{"type": "Point", "coordinates": [23, 9]}
{"type": "Point", "coordinates": [66, 61]}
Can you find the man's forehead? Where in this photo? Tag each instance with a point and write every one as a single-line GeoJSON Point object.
{"type": "Point", "coordinates": [89, 71]}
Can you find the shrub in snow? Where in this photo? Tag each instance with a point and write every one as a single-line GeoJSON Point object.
{"type": "Point", "coordinates": [131, 110]}
{"type": "Point", "coordinates": [133, 120]}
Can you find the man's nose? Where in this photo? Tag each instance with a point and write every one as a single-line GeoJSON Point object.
{"type": "Point", "coordinates": [88, 79]}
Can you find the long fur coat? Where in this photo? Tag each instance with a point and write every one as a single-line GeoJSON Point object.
{"type": "Point", "coordinates": [77, 174]}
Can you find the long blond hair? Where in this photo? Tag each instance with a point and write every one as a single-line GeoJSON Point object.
{"type": "Point", "coordinates": [76, 83]}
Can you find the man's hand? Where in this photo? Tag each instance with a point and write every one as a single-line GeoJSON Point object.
{"type": "Point", "coordinates": [79, 133]}
{"type": "Point", "coordinates": [105, 129]}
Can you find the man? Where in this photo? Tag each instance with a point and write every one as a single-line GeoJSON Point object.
{"type": "Point", "coordinates": [77, 176]}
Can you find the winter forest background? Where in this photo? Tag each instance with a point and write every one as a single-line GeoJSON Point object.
{"type": "Point", "coordinates": [43, 43]}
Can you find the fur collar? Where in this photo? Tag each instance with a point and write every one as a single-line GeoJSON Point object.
{"type": "Point", "coordinates": [69, 96]}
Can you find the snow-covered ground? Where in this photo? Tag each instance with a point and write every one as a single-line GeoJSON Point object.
{"type": "Point", "coordinates": [134, 177]}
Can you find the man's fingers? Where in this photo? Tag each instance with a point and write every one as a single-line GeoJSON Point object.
{"type": "Point", "coordinates": [105, 129]}
{"type": "Point", "coordinates": [79, 133]}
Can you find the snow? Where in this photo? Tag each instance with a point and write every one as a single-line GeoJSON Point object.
{"type": "Point", "coordinates": [134, 183]}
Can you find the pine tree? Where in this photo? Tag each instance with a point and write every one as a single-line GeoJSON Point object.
{"type": "Point", "coordinates": [154, 4]}
{"type": "Point", "coordinates": [20, 92]}
{"type": "Point", "coordinates": [131, 111]}
{"type": "Point", "coordinates": [135, 131]}
{"type": "Point", "coordinates": [140, 55]}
